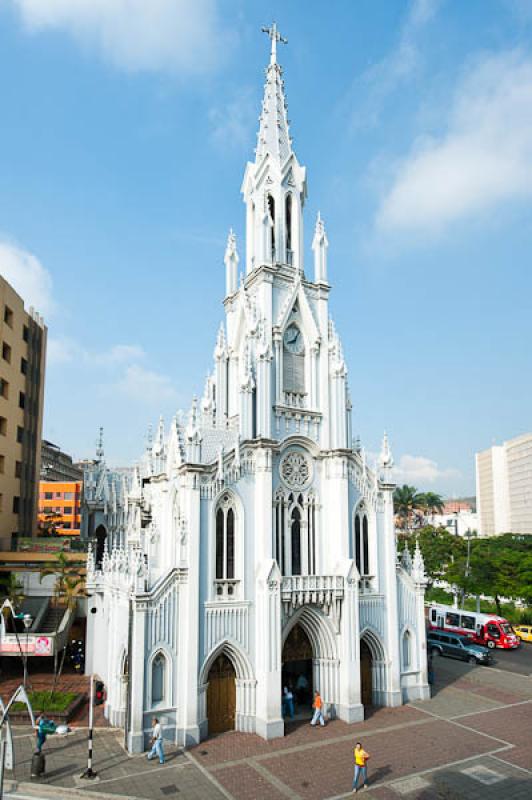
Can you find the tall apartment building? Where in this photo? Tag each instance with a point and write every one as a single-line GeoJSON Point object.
{"type": "Point", "coordinates": [57, 465]}
{"type": "Point", "coordinates": [504, 487]}
{"type": "Point", "coordinates": [22, 367]}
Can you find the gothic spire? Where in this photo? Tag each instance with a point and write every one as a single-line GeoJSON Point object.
{"type": "Point", "coordinates": [274, 134]}
{"type": "Point", "coordinates": [100, 456]}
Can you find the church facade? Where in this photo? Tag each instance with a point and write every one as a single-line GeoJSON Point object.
{"type": "Point", "coordinates": [258, 546]}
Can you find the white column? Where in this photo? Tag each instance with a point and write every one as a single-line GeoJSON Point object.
{"type": "Point", "coordinates": [269, 722]}
{"type": "Point", "coordinates": [350, 708]}
{"type": "Point", "coordinates": [137, 661]}
{"type": "Point", "coordinates": [188, 624]}
{"type": "Point", "coordinates": [264, 391]}
{"type": "Point", "coordinates": [385, 518]}
{"type": "Point", "coordinates": [262, 533]}
{"type": "Point", "coordinates": [221, 389]}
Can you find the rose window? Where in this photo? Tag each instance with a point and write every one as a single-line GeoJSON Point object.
{"type": "Point", "coordinates": [295, 470]}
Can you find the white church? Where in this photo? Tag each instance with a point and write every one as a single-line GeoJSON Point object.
{"type": "Point", "coordinates": [258, 546]}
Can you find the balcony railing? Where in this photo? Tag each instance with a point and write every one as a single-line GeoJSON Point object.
{"type": "Point", "coordinates": [319, 589]}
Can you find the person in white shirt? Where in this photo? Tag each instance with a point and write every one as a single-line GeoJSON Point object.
{"type": "Point", "coordinates": [156, 741]}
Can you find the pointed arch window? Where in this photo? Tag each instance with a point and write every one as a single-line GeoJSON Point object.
{"type": "Point", "coordinates": [271, 211]}
{"type": "Point", "coordinates": [407, 650]}
{"type": "Point", "coordinates": [288, 228]}
{"type": "Point", "coordinates": [158, 679]}
{"type": "Point", "coordinates": [294, 539]}
{"type": "Point", "coordinates": [225, 534]}
{"type": "Point", "coordinates": [362, 542]}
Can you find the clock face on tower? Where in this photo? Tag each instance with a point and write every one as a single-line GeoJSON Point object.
{"type": "Point", "coordinates": [293, 340]}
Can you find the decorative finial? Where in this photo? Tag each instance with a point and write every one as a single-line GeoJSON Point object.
{"type": "Point", "coordinates": [99, 448]}
{"type": "Point", "coordinates": [418, 566]}
{"type": "Point", "coordinates": [275, 37]}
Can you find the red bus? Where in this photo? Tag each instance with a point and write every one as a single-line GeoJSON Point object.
{"type": "Point", "coordinates": [487, 629]}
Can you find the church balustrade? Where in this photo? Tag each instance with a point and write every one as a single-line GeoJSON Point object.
{"type": "Point", "coordinates": [226, 589]}
{"type": "Point", "coordinates": [324, 591]}
{"type": "Point", "coordinates": [295, 399]}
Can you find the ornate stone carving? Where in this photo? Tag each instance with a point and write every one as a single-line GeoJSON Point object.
{"type": "Point", "coordinates": [295, 470]}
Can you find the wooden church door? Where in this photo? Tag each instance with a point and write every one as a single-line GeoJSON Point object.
{"type": "Point", "coordinates": [221, 696]}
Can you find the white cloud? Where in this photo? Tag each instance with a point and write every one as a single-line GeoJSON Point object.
{"type": "Point", "coordinates": [135, 35]}
{"type": "Point", "coordinates": [483, 159]}
{"type": "Point", "coordinates": [372, 88]}
{"type": "Point", "coordinates": [62, 350]}
{"type": "Point", "coordinates": [143, 385]}
{"type": "Point", "coordinates": [27, 276]}
{"type": "Point", "coordinates": [233, 120]}
{"type": "Point", "coordinates": [421, 470]}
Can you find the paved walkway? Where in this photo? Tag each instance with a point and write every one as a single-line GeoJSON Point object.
{"type": "Point", "coordinates": [471, 741]}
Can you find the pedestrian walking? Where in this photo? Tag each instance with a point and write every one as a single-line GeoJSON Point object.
{"type": "Point", "coordinates": [156, 741]}
{"type": "Point", "coordinates": [288, 701]}
{"type": "Point", "coordinates": [43, 727]}
{"type": "Point", "coordinates": [317, 705]}
{"type": "Point", "coordinates": [361, 769]}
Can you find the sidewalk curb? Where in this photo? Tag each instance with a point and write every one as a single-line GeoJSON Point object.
{"type": "Point", "coordinates": [46, 790]}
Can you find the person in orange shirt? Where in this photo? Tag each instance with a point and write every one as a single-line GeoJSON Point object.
{"type": "Point", "coordinates": [317, 705]}
{"type": "Point", "coordinates": [361, 758]}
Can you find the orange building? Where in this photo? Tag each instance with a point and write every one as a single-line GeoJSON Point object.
{"type": "Point", "coordinates": [62, 499]}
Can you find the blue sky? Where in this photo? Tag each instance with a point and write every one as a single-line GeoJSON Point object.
{"type": "Point", "coordinates": [125, 128]}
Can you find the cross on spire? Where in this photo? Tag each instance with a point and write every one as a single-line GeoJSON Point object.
{"type": "Point", "coordinates": [275, 37]}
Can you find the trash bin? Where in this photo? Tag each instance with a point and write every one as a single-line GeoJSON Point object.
{"type": "Point", "coordinates": [38, 765]}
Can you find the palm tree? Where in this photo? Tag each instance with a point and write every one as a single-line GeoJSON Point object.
{"type": "Point", "coordinates": [407, 500]}
{"type": "Point", "coordinates": [68, 586]}
{"type": "Point", "coordinates": [432, 504]}
{"type": "Point", "coordinates": [73, 588]}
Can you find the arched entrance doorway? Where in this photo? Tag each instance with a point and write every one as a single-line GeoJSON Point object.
{"type": "Point", "coordinates": [366, 681]}
{"type": "Point", "coordinates": [221, 695]}
{"type": "Point", "coordinates": [101, 536]}
{"type": "Point", "coordinates": [297, 668]}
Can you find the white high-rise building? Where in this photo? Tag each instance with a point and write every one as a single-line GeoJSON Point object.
{"type": "Point", "coordinates": [504, 487]}
{"type": "Point", "coordinates": [259, 547]}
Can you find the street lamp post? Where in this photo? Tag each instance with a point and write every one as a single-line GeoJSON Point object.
{"type": "Point", "coordinates": [28, 622]}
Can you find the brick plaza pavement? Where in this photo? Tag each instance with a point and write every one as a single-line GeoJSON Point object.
{"type": "Point", "coordinates": [471, 741]}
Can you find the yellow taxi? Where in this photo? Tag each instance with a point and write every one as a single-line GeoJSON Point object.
{"type": "Point", "coordinates": [524, 632]}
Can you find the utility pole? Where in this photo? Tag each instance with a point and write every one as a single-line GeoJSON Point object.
{"type": "Point", "coordinates": [89, 772]}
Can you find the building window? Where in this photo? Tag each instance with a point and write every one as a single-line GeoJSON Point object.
{"type": "Point", "coordinates": [57, 494]}
{"type": "Point", "coordinates": [4, 388]}
{"type": "Point", "coordinates": [407, 650]}
{"type": "Point", "coordinates": [67, 510]}
{"type": "Point", "coordinates": [3, 426]}
{"type": "Point", "coordinates": [158, 669]}
{"type": "Point", "coordinates": [6, 352]}
{"type": "Point", "coordinates": [18, 469]}
{"type": "Point", "coordinates": [25, 333]}
{"type": "Point", "coordinates": [2, 464]}
{"type": "Point", "coordinates": [8, 316]}
{"type": "Point", "coordinates": [48, 495]}
{"type": "Point", "coordinates": [294, 543]}
{"type": "Point", "coordinates": [66, 525]}
{"type": "Point", "coordinates": [362, 542]}
{"type": "Point", "coordinates": [271, 211]}
{"type": "Point", "coordinates": [16, 505]}
{"type": "Point", "coordinates": [288, 226]}
{"type": "Point", "coordinates": [23, 366]}
{"type": "Point", "coordinates": [69, 495]}
{"type": "Point", "coordinates": [225, 540]}
{"type": "Point", "coordinates": [21, 400]}
{"type": "Point", "coordinates": [20, 434]}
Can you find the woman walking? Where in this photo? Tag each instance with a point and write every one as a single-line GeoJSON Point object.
{"type": "Point", "coordinates": [361, 770]}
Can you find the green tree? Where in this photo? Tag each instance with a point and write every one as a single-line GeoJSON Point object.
{"type": "Point", "coordinates": [68, 586]}
{"type": "Point", "coordinates": [432, 503]}
{"type": "Point", "coordinates": [440, 549]}
{"type": "Point", "coordinates": [407, 501]}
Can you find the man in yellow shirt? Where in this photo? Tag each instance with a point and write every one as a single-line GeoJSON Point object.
{"type": "Point", "coordinates": [361, 758]}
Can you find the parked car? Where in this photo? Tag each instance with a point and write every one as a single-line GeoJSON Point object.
{"type": "Point", "coordinates": [524, 632]}
{"type": "Point", "coordinates": [453, 646]}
